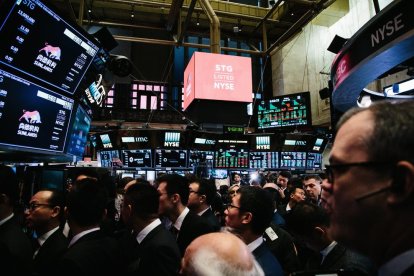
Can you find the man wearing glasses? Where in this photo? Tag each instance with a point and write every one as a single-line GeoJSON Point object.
{"type": "Point", "coordinates": [369, 190]}
{"type": "Point", "coordinates": [248, 215]}
{"type": "Point", "coordinates": [44, 216]}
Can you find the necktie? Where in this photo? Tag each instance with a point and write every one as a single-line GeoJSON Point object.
{"type": "Point", "coordinates": [174, 231]}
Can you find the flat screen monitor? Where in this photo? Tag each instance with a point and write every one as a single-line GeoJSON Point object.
{"type": "Point", "coordinates": [107, 157]}
{"type": "Point", "coordinates": [231, 158]}
{"type": "Point", "coordinates": [264, 160]}
{"type": "Point", "coordinates": [319, 144]}
{"type": "Point", "coordinates": [141, 158]}
{"type": "Point", "coordinates": [285, 111]}
{"type": "Point", "coordinates": [53, 179]}
{"type": "Point", "coordinates": [201, 157]}
{"type": "Point", "coordinates": [313, 161]}
{"type": "Point", "coordinates": [79, 132]}
{"type": "Point", "coordinates": [31, 116]}
{"type": "Point", "coordinates": [219, 174]}
{"type": "Point", "coordinates": [170, 158]}
{"type": "Point", "coordinates": [293, 160]}
{"type": "Point", "coordinates": [40, 44]}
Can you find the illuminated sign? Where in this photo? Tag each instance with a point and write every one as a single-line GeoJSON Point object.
{"type": "Point", "coordinates": [172, 139]}
{"type": "Point", "coordinates": [217, 77]}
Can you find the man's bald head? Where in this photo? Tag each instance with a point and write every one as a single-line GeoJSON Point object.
{"type": "Point", "coordinates": [219, 254]}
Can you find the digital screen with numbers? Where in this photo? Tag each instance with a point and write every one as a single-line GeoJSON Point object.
{"type": "Point", "coordinates": [231, 158]}
{"type": "Point", "coordinates": [78, 133]}
{"type": "Point", "coordinates": [39, 43]}
{"type": "Point", "coordinates": [173, 158]}
{"type": "Point", "coordinates": [141, 158]}
{"type": "Point", "coordinates": [107, 158]}
{"type": "Point", "coordinates": [31, 116]}
{"type": "Point", "coordinates": [285, 111]}
{"type": "Point", "coordinates": [293, 160]}
{"type": "Point", "coordinates": [314, 161]}
{"type": "Point", "coordinates": [264, 159]}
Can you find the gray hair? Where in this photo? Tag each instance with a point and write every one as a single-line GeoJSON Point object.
{"type": "Point", "coordinates": [392, 137]}
{"type": "Point", "coordinates": [206, 262]}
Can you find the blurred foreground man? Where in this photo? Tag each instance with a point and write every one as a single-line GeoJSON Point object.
{"type": "Point", "coordinates": [369, 189]}
{"type": "Point", "coordinates": [219, 254]}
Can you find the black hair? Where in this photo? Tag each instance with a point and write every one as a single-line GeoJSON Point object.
{"type": "Point", "coordinates": [176, 184]}
{"type": "Point", "coordinates": [144, 199]}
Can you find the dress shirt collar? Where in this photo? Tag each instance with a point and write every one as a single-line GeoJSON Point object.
{"type": "Point", "coordinates": [328, 249]}
{"type": "Point", "coordinates": [81, 234]}
{"type": "Point", "coordinates": [205, 210]}
{"type": "Point", "coordinates": [398, 264]}
{"type": "Point", "coordinates": [46, 235]}
{"type": "Point", "coordinates": [144, 232]}
{"type": "Point", "coordinates": [177, 224]}
{"type": "Point", "coordinates": [255, 244]}
{"type": "Point", "coordinates": [6, 219]}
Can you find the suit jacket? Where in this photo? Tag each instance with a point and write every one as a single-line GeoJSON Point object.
{"type": "Point", "coordinates": [267, 261]}
{"type": "Point", "coordinates": [342, 258]}
{"type": "Point", "coordinates": [49, 254]}
{"type": "Point", "coordinates": [157, 254]}
{"type": "Point", "coordinates": [92, 254]}
{"type": "Point", "coordinates": [15, 249]}
{"type": "Point", "coordinates": [282, 248]}
{"type": "Point", "coordinates": [211, 219]}
{"type": "Point", "coordinates": [192, 227]}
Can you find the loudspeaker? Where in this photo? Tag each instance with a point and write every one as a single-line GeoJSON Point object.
{"type": "Point", "coordinates": [119, 65]}
{"type": "Point", "coordinates": [336, 44]}
{"type": "Point", "coordinates": [324, 93]}
{"type": "Point", "coordinates": [106, 39]}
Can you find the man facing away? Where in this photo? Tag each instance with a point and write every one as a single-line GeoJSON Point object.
{"type": "Point", "coordinates": [369, 190]}
{"type": "Point", "coordinates": [155, 252]}
{"type": "Point", "coordinates": [219, 254]}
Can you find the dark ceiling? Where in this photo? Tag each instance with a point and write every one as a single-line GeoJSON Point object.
{"type": "Point", "coordinates": [179, 18]}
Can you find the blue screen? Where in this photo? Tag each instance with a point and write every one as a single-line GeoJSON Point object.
{"type": "Point", "coordinates": [79, 133]}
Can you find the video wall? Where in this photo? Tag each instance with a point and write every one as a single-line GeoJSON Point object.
{"type": "Point", "coordinates": [220, 159]}
{"type": "Point", "coordinates": [43, 62]}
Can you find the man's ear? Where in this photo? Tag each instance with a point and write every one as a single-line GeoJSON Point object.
{"type": "Point", "coordinates": [56, 211]}
{"type": "Point", "coordinates": [402, 185]}
{"type": "Point", "coordinates": [319, 232]}
{"type": "Point", "coordinates": [247, 217]}
{"type": "Point", "coordinates": [175, 198]}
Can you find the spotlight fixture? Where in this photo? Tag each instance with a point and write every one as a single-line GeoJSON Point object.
{"type": "Point", "coordinates": [198, 19]}
{"type": "Point", "coordinates": [132, 11]}
{"type": "Point", "coordinates": [89, 10]}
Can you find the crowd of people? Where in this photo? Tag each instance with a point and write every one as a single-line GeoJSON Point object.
{"type": "Point", "coordinates": [351, 220]}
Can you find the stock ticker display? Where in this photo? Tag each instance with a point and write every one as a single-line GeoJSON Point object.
{"type": "Point", "coordinates": [231, 158]}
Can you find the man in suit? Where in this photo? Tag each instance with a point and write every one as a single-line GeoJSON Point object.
{"type": "Point", "coordinates": [310, 224]}
{"type": "Point", "coordinates": [186, 226]}
{"type": "Point", "coordinates": [369, 190]}
{"type": "Point", "coordinates": [283, 191]}
{"type": "Point", "coordinates": [90, 251]}
{"type": "Point", "coordinates": [248, 215]}
{"type": "Point", "coordinates": [15, 248]}
{"type": "Point", "coordinates": [202, 192]}
{"type": "Point", "coordinates": [155, 252]}
{"type": "Point", "coordinates": [312, 184]}
{"type": "Point", "coordinates": [44, 216]}
{"type": "Point", "coordinates": [219, 254]}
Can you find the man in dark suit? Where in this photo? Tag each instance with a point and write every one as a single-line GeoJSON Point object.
{"type": "Point", "coordinates": [15, 248]}
{"type": "Point", "coordinates": [369, 189]}
{"type": "Point", "coordinates": [44, 216]}
{"type": "Point", "coordinates": [202, 192]}
{"type": "Point", "coordinates": [90, 251]}
{"type": "Point", "coordinates": [186, 226]}
{"type": "Point", "coordinates": [310, 224]}
{"type": "Point", "coordinates": [248, 215]}
{"type": "Point", "coordinates": [155, 251]}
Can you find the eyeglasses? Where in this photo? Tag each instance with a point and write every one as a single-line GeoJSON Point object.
{"type": "Point", "coordinates": [191, 191]}
{"type": "Point", "coordinates": [329, 169]}
{"type": "Point", "coordinates": [33, 206]}
{"type": "Point", "coordinates": [229, 206]}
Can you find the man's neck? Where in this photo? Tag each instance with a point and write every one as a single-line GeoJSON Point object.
{"type": "Point", "coordinates": [176, 212]}
{"type": "Point", "coordinates": [47, 228]}
{"type": "Point", "coordinates": [5, 212]}
{"type": "Point", "coordinates": [76, 229]}
{"type": "Point", "coordinates": [140, 224]}
{"type": "Point", "coordinates": [200, 208]}
{"type": "Point", "coordinates": [248, 236]}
